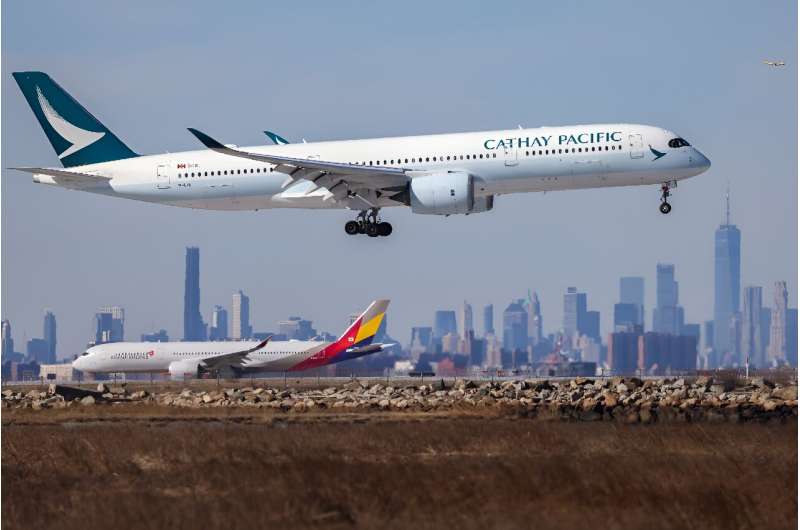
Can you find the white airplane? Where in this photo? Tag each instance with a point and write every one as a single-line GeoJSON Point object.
{"type": "Point", "coordinates": [775, 63]}
{"type": "Point", "coordinates": [441, 174]}
{"type": "Point", "coordinates": [181, 359]}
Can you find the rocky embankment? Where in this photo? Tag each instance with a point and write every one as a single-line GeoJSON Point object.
{"type": "Point", "coordinates": [630, 400]}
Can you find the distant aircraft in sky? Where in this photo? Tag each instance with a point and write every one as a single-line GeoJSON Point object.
{"type": "Point", "coordinates": [181, 359]}
{"type": "Point", "coordinates": [775, 63]}
{"type": "Point", "coordinates": [441, 174]}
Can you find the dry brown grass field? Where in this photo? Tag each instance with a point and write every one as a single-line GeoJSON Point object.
{"type": "Point", "coordinates": [227, 470]}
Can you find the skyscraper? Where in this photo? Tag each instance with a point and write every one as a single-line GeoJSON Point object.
{"type": "Point", "coordinates": [777, 331]}
{"type": "Point", "coordinates": [8, 342]}
{"type": "Point", "coordinates": [668, 315]}
{"type": "Point", "coordinates": [752, 346]}
{"type": "Point", "coordinates": [109, 324]}
{"type": "Point", "coordinates": [515, 327]}
{"type": "Point", "coordinates": [444, 323]}
{"type": "Point", "coordinates": [791, 336]}
{"type": "Point", "coordinates": [488, 319]}
{"type": "Point", "coordinates": [219, 324]}
{"type": "Point", "coordinates": [631, 291]}
{"type": "Point", "coordinates": [193, 327]}
{"type": "Point", "coordinates": [465, 322]}
{"type": "Point", "coordinates": [534, 310]}
{"type": "Point", "coordinates": [49, 334]}
{"type": "Point", "coordinates": [727, 263]}
{"type": "Point", "coordinates": [574, 312]}
{"type": "Point", "coordinates": [241, 328]}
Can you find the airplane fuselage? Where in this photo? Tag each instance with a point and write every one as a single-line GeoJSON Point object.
{"type": "Point", "coordinates": [501, 162]}
{"type": "Point", "coordinates": [158, 356]}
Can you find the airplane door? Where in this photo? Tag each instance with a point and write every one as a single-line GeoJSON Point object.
{"type": "Point", "coordinates": [510, 156]}
{"type": "Point", "coordinates": [635, 143]}
{"type": "Point", "coordinates": [162, 177]}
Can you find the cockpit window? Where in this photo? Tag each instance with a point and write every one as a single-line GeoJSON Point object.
{"type": "Point", "coordinates": [84, 354]}
{"type": "Point", "coordinates": [678, 142]}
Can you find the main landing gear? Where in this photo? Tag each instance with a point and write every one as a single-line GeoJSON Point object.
{"type": "Point", "coordinates": [367, 223]}
{"type": "Point", "coordinates": [665, 207]}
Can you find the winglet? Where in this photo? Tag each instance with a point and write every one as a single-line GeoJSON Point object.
{"type": "Point", "coordinates": [206, 139]}
{"type": "Point", "coordinates": [259, 345]}
{"type": "Point", "coordinates": [276, 139]}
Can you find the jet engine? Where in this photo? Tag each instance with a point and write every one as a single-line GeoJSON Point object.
{"type": "Point", "coordinates": [179, 370]}
{"type": "Point", "coordinates": [442, 193]}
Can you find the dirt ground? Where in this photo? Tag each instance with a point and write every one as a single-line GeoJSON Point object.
{"type": "Point", "coordinates": [106, 469]}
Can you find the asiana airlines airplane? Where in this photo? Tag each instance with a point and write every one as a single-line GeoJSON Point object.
{"type": "Point", "coordinates": [441, 174]}
{"type": "Point", "coordinates": [193, 359]}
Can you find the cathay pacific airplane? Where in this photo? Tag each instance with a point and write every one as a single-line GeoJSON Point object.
{"type": "Point", "coordinates": [182, 359]}
{"type": "Point", "coordinates": [442, 174]}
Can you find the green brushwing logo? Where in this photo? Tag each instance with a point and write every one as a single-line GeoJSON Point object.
{"type": "Point", "coordinates": [656, 154]}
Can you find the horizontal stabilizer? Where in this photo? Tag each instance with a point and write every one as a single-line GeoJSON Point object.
{"type": "Point", "coordinates": [66, 178]}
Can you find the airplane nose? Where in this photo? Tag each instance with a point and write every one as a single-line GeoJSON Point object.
{"type": "Point", "coordinates": [79, 364]}
{"type": "Point", "coordinates": [700, 161]}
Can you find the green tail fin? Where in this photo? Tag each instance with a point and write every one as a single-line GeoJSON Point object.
{"type": "Point", "coordinates": [77, 137]}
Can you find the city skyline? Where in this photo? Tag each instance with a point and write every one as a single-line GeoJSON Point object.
{"type": "Point", "coordinates": [667, 318]}
{"type": "Point", "coordinates": [77, 253]}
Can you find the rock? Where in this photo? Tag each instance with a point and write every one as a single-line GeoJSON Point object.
{"type": "Point", "coordinates": [609, 399]}
{"type": "Point", "coordinates": [760, 382]}
{"type": "Point", "coordinates": [8, 393]}
{"type": "Point", "coordinates": [703, 382]}
{"type": "Point", "coordinates": [679, 383]}
{"type": "Point", "coordinates": [634, 382]}
{"type": "Point", "coordinates": [384, 403]}
{"type": "Point", "coordinates": [622, 388]}
{"type": "Point", "coordinates": [719, 386]}
{"type": "Point", "coordinates": [207, 398]}
{"type": "Point", "coordinates": [786, 393]}
{"type": "Point", "coordinates": [770, 405]}
{"type": "Point", "coordinates": [88, 400]}
{"type": "Point", "coordinates": [102, 388]}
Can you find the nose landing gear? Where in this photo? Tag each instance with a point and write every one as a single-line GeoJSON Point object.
{"type": "Point", "coordinates": [665, 207]}
{"type": "Point", "coordinates": [367, 223]}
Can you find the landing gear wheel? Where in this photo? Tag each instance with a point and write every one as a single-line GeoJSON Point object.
{"type": "Point", "coordinates": [665, 207]}
{"type": "Point", "coordinates": [384, 229]}
{"type": "Point", "coordinates": [351, 227]}
{"type": "Point", "coordinates": [372, 230]}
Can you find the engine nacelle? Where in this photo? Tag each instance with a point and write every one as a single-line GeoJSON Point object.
{"type": "Point", "coordinates": [483, 204]}
{"type": "Point", "coordinates": [442, 193]}
{"type": "Point", "coordinates": [180, 370]}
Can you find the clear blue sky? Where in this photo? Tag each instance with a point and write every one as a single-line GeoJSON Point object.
{"type": "Point", "coordinates": [344, 70]}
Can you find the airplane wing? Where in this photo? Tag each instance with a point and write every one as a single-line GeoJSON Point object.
{"type": "Point", "coordinates": [232, 359]}
{"type": "Point", "coordinates": [369, 348]}
{"type": "Point", "coordinates": [341, 180]}
{"type": "Point", "coordinates": [68, 179]}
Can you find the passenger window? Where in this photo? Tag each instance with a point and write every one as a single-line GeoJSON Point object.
{"type": "Point", "coordinates": [406, 160]}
